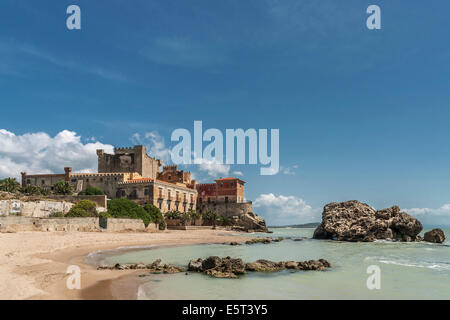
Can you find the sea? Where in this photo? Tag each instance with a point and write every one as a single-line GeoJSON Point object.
{"type": "Point", "coordinates": [375, 270]}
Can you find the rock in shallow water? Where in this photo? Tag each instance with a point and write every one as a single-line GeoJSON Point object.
{"type": "Point", "coordinates": [356, 221]}
{"type": "Point", "coordinates": [435, 236]}
{"type": "Point", "coordinates": [155, 267]}
{"type": "Point", "coordinates": [231, 268]}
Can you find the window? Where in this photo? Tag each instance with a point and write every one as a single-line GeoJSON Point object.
{"type": "Point", "coordinates": [226, 199]}
{"type": "Point", "coordinates": [43, 182]}
{"type": "Point", "coordinates": [146, 192]}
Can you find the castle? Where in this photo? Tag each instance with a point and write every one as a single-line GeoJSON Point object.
{"type": "Point", "coordinates": [130, 173]}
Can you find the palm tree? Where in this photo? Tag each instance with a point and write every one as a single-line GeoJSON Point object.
{"type": "Point", "coordinates": [63, 187]}
{"type": "Point", "coordinates": [9, 185]}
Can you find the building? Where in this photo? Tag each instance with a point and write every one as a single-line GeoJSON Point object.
{"type": "Point", "coordinates": [130, 173]}
{"type": "Point", "coordinates": [223, 190]}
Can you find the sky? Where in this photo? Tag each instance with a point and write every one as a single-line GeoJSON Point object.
{"type": "Point", "coordinates": [362, 114]}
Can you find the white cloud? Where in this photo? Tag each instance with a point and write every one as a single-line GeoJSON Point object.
{"type": "Point", "coordinates": [290, 170]}
{"type": "Point", "coordinates": [238, 173]}
{"type": "Point", "coordinates": [155, 144]}
{"type": "Point", "coordinates": [213, 167]}
{"type": "Point", "coordinates": [40, 153]}
{"type": "Point", "coordinates": [280, 210]}
{"type": "Point", "coordinates": [430, 216]}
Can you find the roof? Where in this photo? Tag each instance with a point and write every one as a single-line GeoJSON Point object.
{"type": "Point", "coordinates": [229, 178]}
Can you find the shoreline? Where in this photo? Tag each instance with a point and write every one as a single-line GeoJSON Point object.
{"type": "Point", "coordinates": [33, 264]}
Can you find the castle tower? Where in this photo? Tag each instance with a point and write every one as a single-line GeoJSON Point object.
{"type": "Point", "coordinates": [133, 159]}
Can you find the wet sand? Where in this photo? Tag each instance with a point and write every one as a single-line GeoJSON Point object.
{"type": "Point", "coordinates": [33, 265]}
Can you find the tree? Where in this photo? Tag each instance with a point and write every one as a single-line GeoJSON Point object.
{"type": "Point", "coordinates": [83, 209]}
{"type": "Point", "coordinates": [94, 191]}
{"type": "Point", "coordinates": [30, 190]}
{"type": "Point", "coordinates": [63, 187]}
{"type": "Point", "coordinates": [9, 185]}
{"type": "Point", "coordinates": [194, 214]}
{"type": "Point", "coordinates": [125, 208]}
{"type": "Point", "coordinates": [154, 212]}
{"type": "Point", "coordinates": [211, 215]}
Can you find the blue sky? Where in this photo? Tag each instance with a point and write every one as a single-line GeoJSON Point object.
{"type": "Point", "coordinates": [362, 114]}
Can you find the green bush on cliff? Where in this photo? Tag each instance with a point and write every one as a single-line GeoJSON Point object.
{"type": "Point", "coordinates": [124, 208]}
{"type": "Point", "coordinates": [83, 209]}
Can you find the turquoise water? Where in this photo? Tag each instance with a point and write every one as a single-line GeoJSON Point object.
{"type": "Point", "coordinates": [408, 270]}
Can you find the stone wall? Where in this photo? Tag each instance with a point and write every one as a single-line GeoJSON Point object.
{"type": "Point", "coordinates": [40, 207]}
{"type": "Point", "coordinates": [35, 209]}
{"type": "Point", "coordinates": [20, 224]}
{"type": "Point", "coordinates": [227, 210]}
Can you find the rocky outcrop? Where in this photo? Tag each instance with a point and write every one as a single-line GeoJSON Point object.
{"type": "Point", "coordinates": [249, 222]}
{"type": "Point", "coordinates": [435, 236]}
{"type": "Point", "coordinates": [264, 240]}
{"type": "Point", "coordinates": [218, 267]}
{"type": "Point", "coordinates": [155, 267]}
{"type": "Point", "coordinates": [356, 221]}
{"type": "Point", "coordinates": [232, 268]}
{"type": "Point", "coordinates": [270, 266]}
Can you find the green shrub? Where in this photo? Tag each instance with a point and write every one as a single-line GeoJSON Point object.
{"type": "Point", "coordinates": [94, 191]}
{"type": "Point", "coordinates": [194, 214]}
{"type": "Point", "coordinates": [154, 212]}
{"type": "Point", "coordinates": [63, 187]}
{"type": "Point", "coordinates": [56, 214]}
{"type": "Point", "coordinates": [226, 221]}
{"type": "Point", "coordinates": [124, 208]}
{"type": "Point", "coordinates": [9, 185]}
{"type": "Point", "coordinates": [30, 190]}
{"type": "Point", "coordinates": [211, 215]}
{"type": "Point", "coordinates": [173, 214]}
{"type": "Point", "coordinates": [162, 225]}
{"type": "Point", "coordinates": [105, 215]}
{"type": "Point", "coordinates": [83, 209]}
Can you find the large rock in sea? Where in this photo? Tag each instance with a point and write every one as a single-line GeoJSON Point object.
{"type": "Point", "coordinates": [435, 236]}
{"type": "Point", "coordinates": [356, 221]}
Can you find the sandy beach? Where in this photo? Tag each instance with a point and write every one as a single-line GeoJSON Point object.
{"type": "Point", "coordinates": [33, 265]}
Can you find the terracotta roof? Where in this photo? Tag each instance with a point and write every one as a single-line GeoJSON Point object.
{"type": "Point", "coordinates": [230, 178]}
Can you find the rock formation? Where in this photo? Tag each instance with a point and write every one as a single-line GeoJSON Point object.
{"type": "Point", "coordinates": [356, 221]}
{"type": "Point", "coordinates": [435, 236]}
{"type": "Point", "coordinates": [155, 267]}
{"type": "Point", "coordinates": [264, 240]}
{"type": "Point", "coordinates": [249, 222]}
{"type": "Point", "coordinates": [232, 268]}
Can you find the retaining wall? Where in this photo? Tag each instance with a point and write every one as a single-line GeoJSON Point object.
{"type": "Point", "coordinates": [20, 223]}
